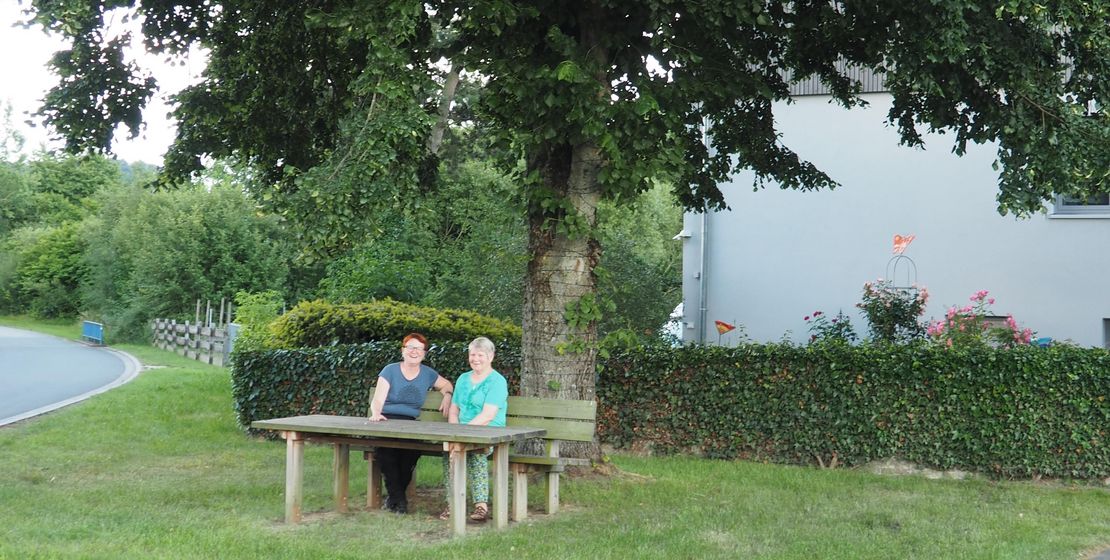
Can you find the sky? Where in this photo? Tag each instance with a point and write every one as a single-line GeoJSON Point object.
{"type": "Point", "coordinates": [25, 78]}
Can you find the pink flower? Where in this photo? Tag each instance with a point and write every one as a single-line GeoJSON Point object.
{"type": "Point", "coordinates": [807, 317]}
{"type": "Point", "coordinates": [991, 301]}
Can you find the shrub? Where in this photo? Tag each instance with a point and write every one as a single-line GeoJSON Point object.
{"type": "Point", "coordinates": [49, 270]}
{"type": "Point", "coordinates": [337, 379]}
{"type": "Point", "coordinates": [319, 323]}
{"type": "Point", "coordinates": [824, 330]}
{"type": "Point", "coordinates": [154, 254]}
{"type": "Point", "coordinates": [893, 314]}
{"type": "Point", "coordinates": [967, 326]}
{"type": "Point", "coordinates": [254, 315]}
{"type": "Point", "coordinates": [1018, 412]}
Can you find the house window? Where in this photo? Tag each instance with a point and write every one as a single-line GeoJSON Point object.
{"type": "Point", "coordinates": [1094, 206]}
{"type": "Point", "coordinates": [1106, 334]}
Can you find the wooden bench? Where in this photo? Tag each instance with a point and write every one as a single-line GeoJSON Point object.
{"type": "Point", "coordinates": [564, 420]}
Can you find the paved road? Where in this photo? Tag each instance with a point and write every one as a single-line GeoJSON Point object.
{"type": "Point", "coordinates": [39, 372]}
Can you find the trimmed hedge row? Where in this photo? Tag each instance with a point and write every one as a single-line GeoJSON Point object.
{"type": "Point", "coordinates": [1012, 413]}
{"type": "Point", "coordinates": [319, 323]}
{"type": "Point", "coordinates": [337, 379]}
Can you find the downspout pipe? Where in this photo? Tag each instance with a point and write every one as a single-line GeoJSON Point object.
{"type": "Point", "coordinates": [703, 261]}
{"type": "Point", "coordinates": [703, 280]}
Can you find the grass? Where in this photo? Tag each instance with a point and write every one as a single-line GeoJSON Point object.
{"type": "Point", "coordinates": [64, 328]}
{"type": "Point", "coordinates": [158, 469]}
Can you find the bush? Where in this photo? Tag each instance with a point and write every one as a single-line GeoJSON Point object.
{"type": "Point", "coordinates": [319, 323]}
{"type": "Point", "coordinates": [49, 267]}
{"type": "Point", "coordinates": [1019, 412]}
{"type": "Point", "coordinates": [968, 326]}
{"type": "Point", "coordinates": [893, 314]}
{"type": "Point", "coordinates": [254, 315]}
{"type": "Point", "coordinates": [837, 330]}
{"type": "Point", "coordinates": [337, 379]}
{"type": "Point", "coordinates": [154, 254]}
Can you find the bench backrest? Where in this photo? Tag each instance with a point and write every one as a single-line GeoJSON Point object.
{"type": "Point", "coordinates": [567, 420]}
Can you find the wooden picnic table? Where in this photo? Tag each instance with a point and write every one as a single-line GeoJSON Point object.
{"type": "Point", "coordinates": [344, 431]}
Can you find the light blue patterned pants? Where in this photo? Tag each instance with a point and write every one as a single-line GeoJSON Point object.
{"type": "Point", "coordinates": [477, 474]}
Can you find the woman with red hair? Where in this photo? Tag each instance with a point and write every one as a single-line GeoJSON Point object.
{"type": "Point", "coordinates": [402, 388]}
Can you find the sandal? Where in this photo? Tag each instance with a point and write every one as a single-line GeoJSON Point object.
{"type": "Point", "coordinates": [481, 512]}
{"type": "Point", "coordinates": [446, 515]}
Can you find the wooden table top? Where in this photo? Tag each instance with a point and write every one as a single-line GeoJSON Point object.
{"type": "Point", "coordinates": [398, 429]}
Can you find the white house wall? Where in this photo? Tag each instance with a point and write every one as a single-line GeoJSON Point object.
{"type": "Point", "coordinates": [779, 255]}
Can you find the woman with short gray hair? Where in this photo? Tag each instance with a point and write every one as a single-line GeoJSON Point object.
{"type": "Point", "coordinates": [481, 399]}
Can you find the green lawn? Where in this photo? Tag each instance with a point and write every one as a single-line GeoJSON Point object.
{"type": "Point", "coordinates": [65, 328]}
{"type": "Point", "coordinates": [158, 469]}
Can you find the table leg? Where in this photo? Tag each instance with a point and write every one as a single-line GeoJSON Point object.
{"type": "Point", "coordinates": [373, 482]}
{"type": "Point", "coordinates": [520, 492]}
{"type": "Point", "coordinates": [294, 475]}
{"type": "Point", "coordinates": [501, 485]}
{"type": "Point", "coordinates": [340, 475]}
{"type": "Point", "coordinates": [457, 472]}
{"type": "Point", "coordinates": [553, 479]}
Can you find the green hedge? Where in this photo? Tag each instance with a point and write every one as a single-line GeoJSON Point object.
{"type": "Point", "coordinates": [336, 379]}
{"type": "Point", "coordinates": [1011, 413]}
{"type": "Point", "coordinates": [319, 323]}
{"type": "Point", "coordinates": [1014, 413]}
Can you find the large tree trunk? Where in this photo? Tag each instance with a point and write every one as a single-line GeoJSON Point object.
{"type": "Point", "coordinates": [561, 272]}
{"type": "Point", "coordinates": [559, 361]}
{"type": "Point", "coordinates": [556, 360]}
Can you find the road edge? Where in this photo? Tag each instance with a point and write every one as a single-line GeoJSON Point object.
{"type": "Point", "coordinates": [131, 369]}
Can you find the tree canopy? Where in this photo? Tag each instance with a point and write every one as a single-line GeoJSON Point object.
{"type": "Point", "coordinates": [332, 102]}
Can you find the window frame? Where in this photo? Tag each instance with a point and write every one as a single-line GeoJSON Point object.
{"type": "Point", "coordinates": [1066, 207]}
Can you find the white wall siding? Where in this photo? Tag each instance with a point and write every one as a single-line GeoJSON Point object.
{"type": "Point", "coordinates": [778, 255]}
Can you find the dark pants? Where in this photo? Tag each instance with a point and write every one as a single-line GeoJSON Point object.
{"type": "Point", "coordinates": [398, 466]}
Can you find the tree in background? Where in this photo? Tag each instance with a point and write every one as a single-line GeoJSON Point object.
{"type": "Point", "coordinates": [42, 243]}
{"type": "Point", "coordinates": [394, 266]}
{"type": "Point", "coordinates": [464, 248]}
{"type": "Point", "coordinates": [49, 269]}
{"type": "Point", "coordinates": [64, 186]}
{"type": "Point", "coordinates": [641, 264]}
{"type": "Point", "coordinates": [11, 140]}
{"type": "Point", "coordinates": [334, 103]}
{"type": "Point", "coordinates": [153, 254]}
{"type": "Point", "coordinates": [15, 185]}
{"type": "Point", "coordinates": [16, 204]}
{"type": "Point", "coordinates": [461, 246]}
